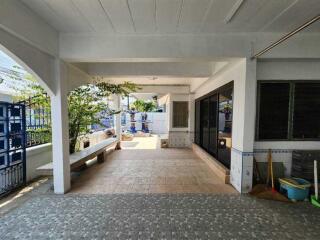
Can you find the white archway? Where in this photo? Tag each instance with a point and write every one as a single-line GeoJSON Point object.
{"type": "Point", "coordinates": [35, 62]}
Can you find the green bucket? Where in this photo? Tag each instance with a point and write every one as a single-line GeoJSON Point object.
{"type": "Point", "coordinates": [315, 202]}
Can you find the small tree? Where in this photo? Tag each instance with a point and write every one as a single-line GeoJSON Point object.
{"type": "Point", "coordinates": [143, 106]}
{"type": "Point", "coordinates": [86, 104]}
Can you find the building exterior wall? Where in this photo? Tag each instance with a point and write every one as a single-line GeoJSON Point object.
{"type": "Point", "coordinates": [244, 145]}
{"type": "Point", "coordinates": [242, 74]}
{"type": "Point", "coordinates": [277, 71]}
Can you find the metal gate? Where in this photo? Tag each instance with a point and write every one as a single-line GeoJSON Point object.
{"type": "Point", "coordinates": [12, 147]}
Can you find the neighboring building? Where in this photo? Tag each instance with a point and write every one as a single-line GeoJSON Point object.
{"type": "Point", "coordinates": [6, 96]}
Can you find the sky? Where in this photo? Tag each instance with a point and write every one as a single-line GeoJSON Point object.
{"type": "Point", "coordinates": [6, 61]}
{"type": "Point", "coordinates": [9, 63]}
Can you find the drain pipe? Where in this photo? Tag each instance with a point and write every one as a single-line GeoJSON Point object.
{"type": "Point", "coordinates": [285, 37]}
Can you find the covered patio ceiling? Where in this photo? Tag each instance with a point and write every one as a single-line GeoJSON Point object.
{"type": "Point", "coordinates": [167, 42]}
{"type": "Point", "coordinates": [174, 16]}
{"type": "Point", "coordinates": [155, 73]}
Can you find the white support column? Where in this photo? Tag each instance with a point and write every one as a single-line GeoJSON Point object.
{"type": "Point", "coordinates": [60, 131]}
{"type": "Point", "coordinates": [117, 105]}
{"type": "Point", "coordinates": [244, 108]}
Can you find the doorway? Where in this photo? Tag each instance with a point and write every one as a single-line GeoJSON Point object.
{"type": "Point", "coordinates": [214, 123]}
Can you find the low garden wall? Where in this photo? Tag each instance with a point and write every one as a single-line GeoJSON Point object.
{"type": "Point", "coordinates": [42, 154]}
{"type": "Point", "coordinates": [36, 157]}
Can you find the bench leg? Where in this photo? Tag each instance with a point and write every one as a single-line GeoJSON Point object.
{"type": "Point", "coordinates": [118, 147]}
{"type": "Point", "coordinates": [101, 156]}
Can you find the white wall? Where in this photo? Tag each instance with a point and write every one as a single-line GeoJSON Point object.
{"type": "Point", "coordinates": [178, 137]}
{"type": "Point", "coordinates": [158, 125]}
{"type": "Point", "coordinates": [289, 69]}
{"type": "Point", "coordinates": [159, 122]}
{"type": "Point", "coordinates": [36, 157]}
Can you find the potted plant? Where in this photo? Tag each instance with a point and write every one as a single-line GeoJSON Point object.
{"type": "Point", "coordinates": [144, 107]}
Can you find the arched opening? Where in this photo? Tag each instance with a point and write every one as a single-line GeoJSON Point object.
{"type": "Point", "coordinates": [15, 58]}
{"type": "Point", "coordinates": [25, 123]}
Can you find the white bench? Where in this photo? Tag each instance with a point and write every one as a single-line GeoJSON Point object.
{"type": "Point", "coordinates": [79, 158]}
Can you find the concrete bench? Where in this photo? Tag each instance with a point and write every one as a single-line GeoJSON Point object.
{"type": "Point", "coordinates": [78, 159]}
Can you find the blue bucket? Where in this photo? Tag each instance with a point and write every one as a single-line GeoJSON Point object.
{"type": "Point", "coordinates": [297, 189]}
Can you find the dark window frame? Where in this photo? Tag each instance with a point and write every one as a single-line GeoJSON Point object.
{"type": "Point", "coordinates": [290, 109]}
{"type": "Point", "coordinates": [173, 112]}
{"type": "Point", "coordinates": [217, 91]}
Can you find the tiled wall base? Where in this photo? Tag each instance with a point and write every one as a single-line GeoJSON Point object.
{"type": "Point", "coordinates": [241, 170]}
{"type": "Point", "coordinates": [179, 139]}
{"type": "Point", "coordinates": [242, 165]}
{"type": "Point", "coordinates": [221, 171]}
{"type": "Point", "coordinates": [278, 155]}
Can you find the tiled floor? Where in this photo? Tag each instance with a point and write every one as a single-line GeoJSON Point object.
{"type": "Point", "coordinates": [166, 216]}
{"type": "Point", "coordinates": [36, 213]}
{"type": "Point", "coordinates": [142, 167]}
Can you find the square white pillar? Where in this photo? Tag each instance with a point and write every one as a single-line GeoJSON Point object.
{"type": "Point", "coordinates": [244, 111]}
{"type": "Point", "coordinates": [60, 131]}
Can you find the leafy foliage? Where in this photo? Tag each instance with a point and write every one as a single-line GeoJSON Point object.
{"type": "Point", "coordinates": [86, 104]}
{"type": "Point", "coordinates": [144, 106]}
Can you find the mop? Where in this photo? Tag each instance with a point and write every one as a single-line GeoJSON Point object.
{"type": "Point", "coordinates": [264, 191]}
{"type": "Point", "coordinates": [315, 198]}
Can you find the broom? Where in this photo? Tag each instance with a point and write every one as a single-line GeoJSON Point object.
{"type": "Point", "coordinates": [270, 172]}
{"type": "Point", "coordinates": [264, 191]}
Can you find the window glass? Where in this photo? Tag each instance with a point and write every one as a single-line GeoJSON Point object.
{"type": "Point", "coordinates": [197, 123]}
{"type": "Point", "coordinates": [225, 126]}
{"type": "Point", "coordinates": [274, 110]}
{"type": "Point", "coordinates": [180, 114]}
{"type": "Point", "coordinates": [306, 113]}
{"type": "Point", "coordinates": [205, 123]}
{"type": "Point", "coordinates": [213, 102]}
{"type": "Point", "coordinates": [214, 123]}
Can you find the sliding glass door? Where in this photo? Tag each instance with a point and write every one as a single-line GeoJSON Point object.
{"type": "Point", "coordinates": [225, 126]}
{"type": "Point", "coordinates": [204, 126]}
{"type": "Point", "coordinates": [213, 103]}
{"type": "Point", "coordinates": [213, 127]}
